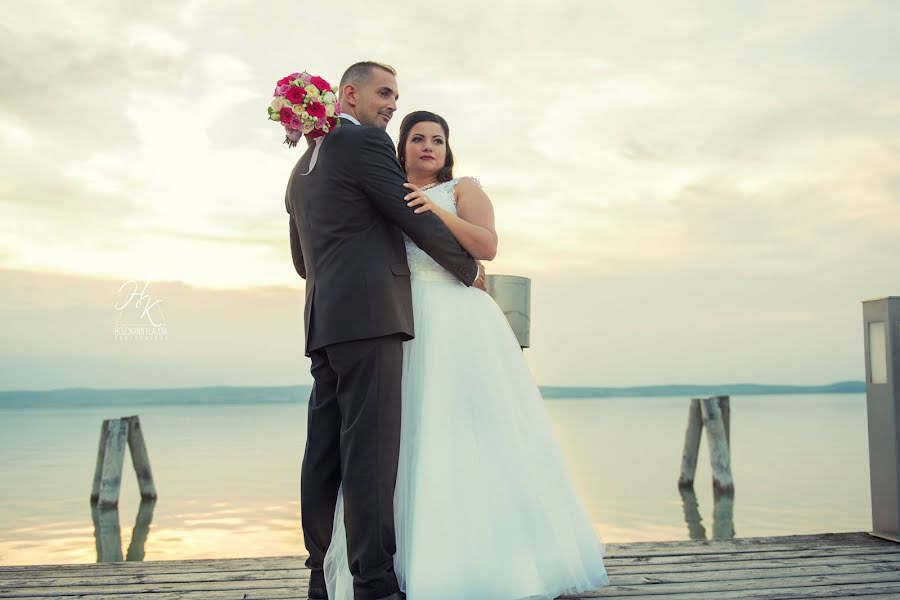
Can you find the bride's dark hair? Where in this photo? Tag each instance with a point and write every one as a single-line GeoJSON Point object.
{"type": "Point", "coordinates": [423, 116]}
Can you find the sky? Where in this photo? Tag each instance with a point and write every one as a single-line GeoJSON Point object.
{"type": "Point", "coordinates": [700, 192]}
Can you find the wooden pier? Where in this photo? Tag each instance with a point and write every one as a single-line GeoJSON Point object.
{"type": "Point", "coordinates": [837, 565]}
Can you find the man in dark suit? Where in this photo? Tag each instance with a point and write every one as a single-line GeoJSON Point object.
{"type": "Point", "coordinates": [347, 219]}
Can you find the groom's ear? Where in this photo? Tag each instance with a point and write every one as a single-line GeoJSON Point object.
{"type": "Point", "coordinates": [348, 95]}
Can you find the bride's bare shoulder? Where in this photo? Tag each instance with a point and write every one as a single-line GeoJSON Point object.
{"type": "Point", "coordinates": [469, 182]}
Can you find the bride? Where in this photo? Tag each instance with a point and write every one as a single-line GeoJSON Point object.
{"type": "Point", "coordinates": [484, 508]}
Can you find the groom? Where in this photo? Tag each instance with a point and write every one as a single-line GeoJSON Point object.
{"type": "Point", "coordinates": [347, 219]}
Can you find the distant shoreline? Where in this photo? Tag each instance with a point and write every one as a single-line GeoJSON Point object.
{"type": "Point", "coordinates": [90, 397]}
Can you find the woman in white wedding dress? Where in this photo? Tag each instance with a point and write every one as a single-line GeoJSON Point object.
{"type": "Point", "coordinates": [484, 507]}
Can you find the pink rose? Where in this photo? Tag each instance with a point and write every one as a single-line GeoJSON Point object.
{"type": "Point", "coordinates": [296, 123]}
{"type": "Point", "coordinates": [320, 124]}
{"type": "Point", "coordinates": [320, 83]}
{"type": "Point", "coordinates": [286, 114]}
{"type": "Point", "coordinates": [337, 108]}
{"type": "Point", "coordinates": [295, 94]}
{"type": "Point", "coordinates": [288, 79]}
{"type": "Point", "coordinates": [316, 109]}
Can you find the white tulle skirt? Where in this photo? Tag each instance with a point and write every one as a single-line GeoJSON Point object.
{"type": "Point", "coordinates": [484, 507]}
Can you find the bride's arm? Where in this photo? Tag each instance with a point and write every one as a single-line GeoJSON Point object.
{"type": "Point", "coordinates": [474, 227]}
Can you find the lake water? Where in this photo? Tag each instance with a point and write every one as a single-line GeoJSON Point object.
{"type": "Point", "coordinates": [228, 476]}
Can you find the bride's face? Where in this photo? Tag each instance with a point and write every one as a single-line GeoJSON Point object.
{"type": "Point", "coordinates": [426, 148]}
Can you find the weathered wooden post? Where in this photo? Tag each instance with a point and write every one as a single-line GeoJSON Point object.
{"type": "Point", "coordinates": [713, 414]}
{"type": "Point", "coordinates": [513, 295]}
{"type": "Point", "coordinates": [108, 473]}
{"type": "Point", "coordinates": [881, 322]}
{"type": "Point", "coordinates": [717, 440]}
{"type": "Point", "coordinates": [691, 445]}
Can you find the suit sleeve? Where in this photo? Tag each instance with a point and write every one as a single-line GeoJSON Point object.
{"type": "Point", "coordinates": [296, 250]}
{"type": "Point", "coordinates": [382, 181]}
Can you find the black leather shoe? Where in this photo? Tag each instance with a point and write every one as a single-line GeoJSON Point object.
{"type": "Point", "coordinates": [317, 593]}
{"type": "Point", "coordinates": [317, 589]}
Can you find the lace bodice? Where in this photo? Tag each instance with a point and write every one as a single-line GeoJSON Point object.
{"type": "Point", "coordinates": [420, 264]}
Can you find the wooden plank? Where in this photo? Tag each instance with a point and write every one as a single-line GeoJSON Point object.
{"type": "Point", "coordinates": [856, 538]}
{"type": "Point", "coordinates": [644, 568]}
{"type": "Point", "coordinates": [817, 566]}
{"type": "Point", "coordinates": [287, 592]}
{"type": "Point", "coordinates": [618, 554]}
{"type": "Point", "coordinates": [874, 590]}
{"type": "Point", "coordinates": [643, 552]}
{"type": "Point", "coordinates": [717, 570]}
{"type": "Point", "coordinates": [101, 588]}
{"type": "Point", "coordinates": [148, 583]}
{"type": "Point", "coordinates": [765, 585]}
{"type": "Point", "coordinates": [278, 571]}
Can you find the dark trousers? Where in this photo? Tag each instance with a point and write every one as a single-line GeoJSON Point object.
{"type": "Point", "coordinates": [353, 435]}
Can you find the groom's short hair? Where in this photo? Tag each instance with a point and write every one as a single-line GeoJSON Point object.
{"type": "Point", "coordinates": [359, 74]}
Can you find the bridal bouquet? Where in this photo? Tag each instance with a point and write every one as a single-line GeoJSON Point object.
{"type": "Point", "coordinates": [305, 105]}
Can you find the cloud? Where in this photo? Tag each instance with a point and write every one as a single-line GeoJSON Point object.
{"type": "Point", "coordinates": [700, 142]}
{"type": "Point", "coordinates": [59, 332]}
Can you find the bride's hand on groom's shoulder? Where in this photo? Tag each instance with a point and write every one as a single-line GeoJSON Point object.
{"type": "Point", "coordinates": [419, 200]}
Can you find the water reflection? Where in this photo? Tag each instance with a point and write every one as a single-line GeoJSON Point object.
{"type": "Point", "coordinates": [723, 515]}
{"type": "Point", "coordinates": [108, 534]}
{"type": "Point", "coordinates": [696, 530]}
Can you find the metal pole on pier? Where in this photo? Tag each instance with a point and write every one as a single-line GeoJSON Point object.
{"type": "Point", "coordinates": [881, 328]}
{"type": "Point", "coordinates": [513, 295]}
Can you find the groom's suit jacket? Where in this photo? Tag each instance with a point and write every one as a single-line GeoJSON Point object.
{"type": "Point", "coordinates": [347, 219]}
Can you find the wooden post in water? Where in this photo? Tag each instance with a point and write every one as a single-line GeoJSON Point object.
{"type": "Point", "coordinates": [691, 445]}
{"type": "Point", "coordinates": [110, 457]}
{"type": "Point", "coordinates": [725, 407]}
{"type": "Point", "coordinates": [714, 414]}
{"type": "Point", "coordinates": [140, 459]}
{"type": "Point", "coordinates": [718, 446]}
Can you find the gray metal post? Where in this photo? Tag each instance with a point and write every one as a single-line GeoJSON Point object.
{"type": "Point", "coordinates": [513, 295]}
{"type": "Point", "coordinates": [881, 327]}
